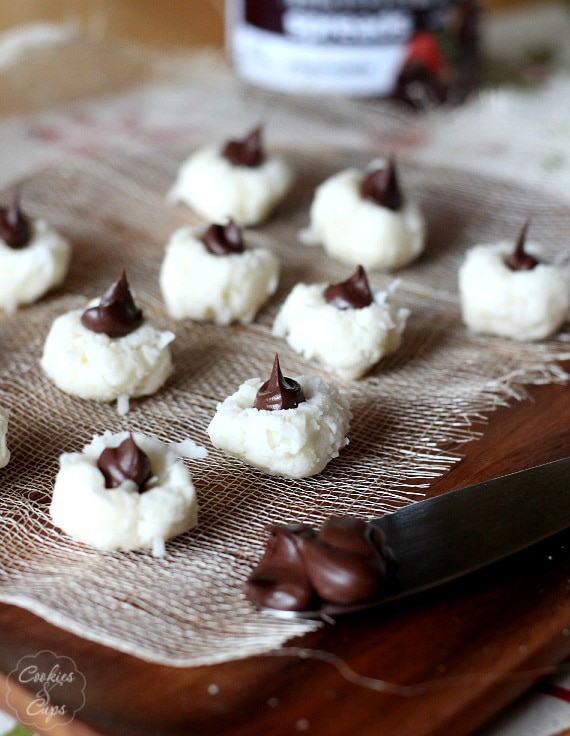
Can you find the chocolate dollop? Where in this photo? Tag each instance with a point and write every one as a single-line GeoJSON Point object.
{"type": "Point", "coordinates": [116, 315]}
{"type": "Point", "coordinates": [346, 562]}
{"type": "Point", "coordinates": [381, 187]}
{"type": "Point", "coordinates": [222, 240]}
{"type": "Point", "coordinates": [354, 293]}
{"type": "Point", "coordinates": [520, 260]}
{"type": "Point", "coordinates": [125, 462]}
{"type": "Point", "coordinates": [280, 580]}
{"type": "Point", "coordinates": [15, 226]}
{"type": "Point", "coordinates": [246, 152]}
{"type": "Point", "coordinates": [279, 392]}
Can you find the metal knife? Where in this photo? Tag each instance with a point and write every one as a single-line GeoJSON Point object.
{"type": "Point", "coordinates": [449, 536]}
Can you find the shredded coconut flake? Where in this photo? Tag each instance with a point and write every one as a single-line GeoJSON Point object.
{"type": "Point", "coordinates": [306, 236]}
{"type": "Point", "coordinates": [123, 405]}
{"type": "Point", "coordinates": [188, 448]}
{"type": "Point", "coordinates": [158, 548]}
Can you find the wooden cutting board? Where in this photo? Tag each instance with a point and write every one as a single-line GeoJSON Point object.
{"type": "Point", "coordinates": [442, 663]}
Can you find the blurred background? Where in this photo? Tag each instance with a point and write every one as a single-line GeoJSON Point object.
{"type": "Point", "coordinates": [162, 23]}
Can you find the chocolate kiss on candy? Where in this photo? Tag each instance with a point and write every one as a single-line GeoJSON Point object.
{"type": "Point", "coordinates": [520, 260]}
{"type": "Point", "coordinates": [279, 580]}
{"type": "Point", "coordinates": [354, 293]}
{"type": "Point", "coordinates": [246, 152]}
{"type": "Point", "coordinates": [381, 187]}
{"type": "Point", "coordinates": [15, 227]}
{"type": "Point", "coordinates": [222, 240]}
{"type": "Point", "coordinates": [279, 392]}
{"type": "Point", "coordinates": [116, 314]}
{"type": "Point", "coordinates": [125, 462]}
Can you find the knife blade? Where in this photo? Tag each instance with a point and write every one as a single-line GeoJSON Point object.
{"type": "Point", "coordinates": [446, 537]}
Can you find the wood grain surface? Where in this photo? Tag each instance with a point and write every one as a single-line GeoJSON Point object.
{"type": "Point", "coordinates": [456, 656]}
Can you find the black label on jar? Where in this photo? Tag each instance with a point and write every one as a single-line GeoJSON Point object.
{"type": "Point", "coordinates": [404, 48]}
{"type": "Point", "coordinates": [358, 22]}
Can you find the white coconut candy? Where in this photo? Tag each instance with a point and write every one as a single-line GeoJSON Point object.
{"type": "Point", "coordinates": [345, 340]}
{"type": "Point", "coordinates": [38, 263]}
{"type": "Point", "coordinates": [219, 287]}
{"type": "Point", "coordinates": [126, 517]}
{"type": "Point", "coordinates": [93, 365]}
{"type": "Point", "coordinates": [517, 301]}
{"type": "Point", "coordinates": [230, 180]}
{"type": "Point", "coordinates": [360, 220]}
{"type": "Point", "coordinates": [290, 442]}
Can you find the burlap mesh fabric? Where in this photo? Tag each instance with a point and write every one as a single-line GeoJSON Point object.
{"type": "Point", "coordinates": [412, 413]}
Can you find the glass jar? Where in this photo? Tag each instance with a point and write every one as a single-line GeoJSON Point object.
{"type": "Point", "coordinates": [422, 51]}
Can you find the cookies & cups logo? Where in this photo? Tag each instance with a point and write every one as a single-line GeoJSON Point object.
{"type": "Point", "coordinates": [53, 682]}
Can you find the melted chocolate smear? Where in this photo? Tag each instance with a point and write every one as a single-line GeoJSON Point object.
{"type": "Point", "coordinates": [117, 314]}
{"type": "Point", "coordinates": [346, 562]}
{"type": "Point", "coordinates": [354, 293]}
{"type": "Point", "coordinates": [279, 392]}
{"type": "Point", "coordinates": [125, 462]}
{"type": "Point", "coordinates": [222, 240]}
{"type": "Point", "coordinates": [246, 152]}
{"type": "Point", "coordinates": [381, 187]}
{"type": "Point", "coordinates": [15, 226]}
{"type": "Point", "coordinates": [520, 260]}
